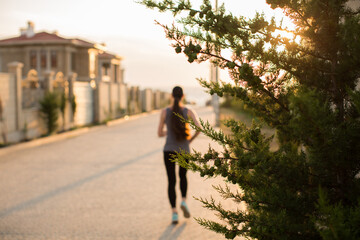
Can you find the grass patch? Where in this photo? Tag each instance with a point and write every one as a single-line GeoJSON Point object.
{"type": "Point", "coordinates": [246, 118]}
{"type": "Point", "coordinates": [2, 145]}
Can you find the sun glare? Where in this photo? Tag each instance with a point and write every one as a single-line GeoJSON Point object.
{"type": "Point", "coordinates": [287, 34]}
{"type": "Point", "coordinates": [281, 17]}
{"type": "Point", "coordinates": [248, 10]}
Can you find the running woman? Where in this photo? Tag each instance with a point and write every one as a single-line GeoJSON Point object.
{"type": "Point", "coordinates": [177, 139]}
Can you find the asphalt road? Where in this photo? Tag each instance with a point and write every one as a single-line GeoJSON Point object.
{"type": "Point", "coordinates": [106, 183]}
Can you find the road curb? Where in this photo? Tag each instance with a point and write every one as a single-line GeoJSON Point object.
{"type": "Point", "coordinates": [44, 140]}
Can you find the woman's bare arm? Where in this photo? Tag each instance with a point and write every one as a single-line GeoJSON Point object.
{"type": "Point", "coordinates": [194, 117]}
{"type": "Point", "coordinates": [161, 131]}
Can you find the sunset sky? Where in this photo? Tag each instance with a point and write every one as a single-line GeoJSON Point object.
{"type": "Point", "coordinates": [125, 26]}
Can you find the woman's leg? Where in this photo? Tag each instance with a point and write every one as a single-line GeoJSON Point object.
{"type": "Point", "coordinates": [170, 170]}
{"type": "Point", "coordinates": [183, 188]}
{"type": "Point", "coordinates": [183, 182]}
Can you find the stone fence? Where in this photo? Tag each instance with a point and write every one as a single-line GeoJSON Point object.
{"type": "Point", "coordinates": [86, 102]}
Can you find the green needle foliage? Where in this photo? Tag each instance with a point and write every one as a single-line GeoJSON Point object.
{"type": "Point", "coordinates": [305, 88]}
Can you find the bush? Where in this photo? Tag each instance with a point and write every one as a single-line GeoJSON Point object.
{"type": "Point", "coordinates": [62, 107]}
{"type": "Point", "coordinates": [73, 105]}
{"type": "Point", "coordinates": [49, 109]}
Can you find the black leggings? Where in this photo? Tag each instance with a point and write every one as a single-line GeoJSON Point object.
{"type": "Point", "coordinates": [170, 170]}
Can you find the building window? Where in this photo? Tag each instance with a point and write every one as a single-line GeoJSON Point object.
{"type": "Point", "coordinates": [43, 59]}
{"type": "Point", "coordinates": [106, 67]}
{"type": "Point", "coordinates": [33, 59]}
{"type": "Point", "coordinates": [53, 56]}
{"type": "Point", "coordinates": [73, 62]}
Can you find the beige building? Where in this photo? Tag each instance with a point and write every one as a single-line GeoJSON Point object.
{"type": "Point", "coordinates": [34, 63]}
{"type": "Point", "coordinates": [90, 78]}
{"type": "Point", "coordinates": [45, 52]}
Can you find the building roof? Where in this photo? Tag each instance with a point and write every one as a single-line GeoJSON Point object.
{"type": "Point", "coordinates": [107, 55]}
{"type": "Point", "coordinates": [44, 37]}
{"type": "Point", "coordinates": [29, 37]}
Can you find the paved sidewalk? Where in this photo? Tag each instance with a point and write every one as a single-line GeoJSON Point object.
{"type": "Point", "coordinates": [105, 183]}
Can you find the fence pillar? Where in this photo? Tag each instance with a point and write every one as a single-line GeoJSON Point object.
{"type": "Point", "coordinates": [49, 81]}
{"type": "Point", "coordinates": [16, 69]}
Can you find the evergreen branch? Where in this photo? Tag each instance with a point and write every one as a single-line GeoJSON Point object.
{"type": "Point", "coordinates": [208, 131]}
{"type": "Point", "coordinates": [235, 219]}
{"type": "Point", "coordinates": [302, 17]}
{"type": "Point", "coordinates": [228, 216]}
{"type": "Point", "coordinates": [211, 225]}
{"type": "Point", "coordinates": [227, 193]}
{"type": "Point", "coordinates": [220, 90]}
{"type": "Point", "coordinates": [356, 12]}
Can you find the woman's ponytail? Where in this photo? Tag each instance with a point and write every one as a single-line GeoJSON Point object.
{"type": "Point", "coordinates": [177, 125]}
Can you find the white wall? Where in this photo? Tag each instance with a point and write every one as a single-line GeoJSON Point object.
{"type": "Point", "coordinates": [84, 103]}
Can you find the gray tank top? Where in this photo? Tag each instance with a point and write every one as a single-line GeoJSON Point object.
{"type": "Point", "coordinates": [172, 144]}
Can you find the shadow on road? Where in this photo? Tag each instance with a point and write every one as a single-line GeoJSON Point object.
{"type": "Point", "coordinates": [170, 234]}
{"type": "Point", "coordinates": [71, 186]}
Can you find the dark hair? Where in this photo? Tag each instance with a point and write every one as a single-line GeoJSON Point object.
{"type": "Point", "coordinates": [178, 126]}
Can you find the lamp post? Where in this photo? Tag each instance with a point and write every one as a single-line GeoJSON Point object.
{"type": "Point", "coordinates": [214, 77]}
